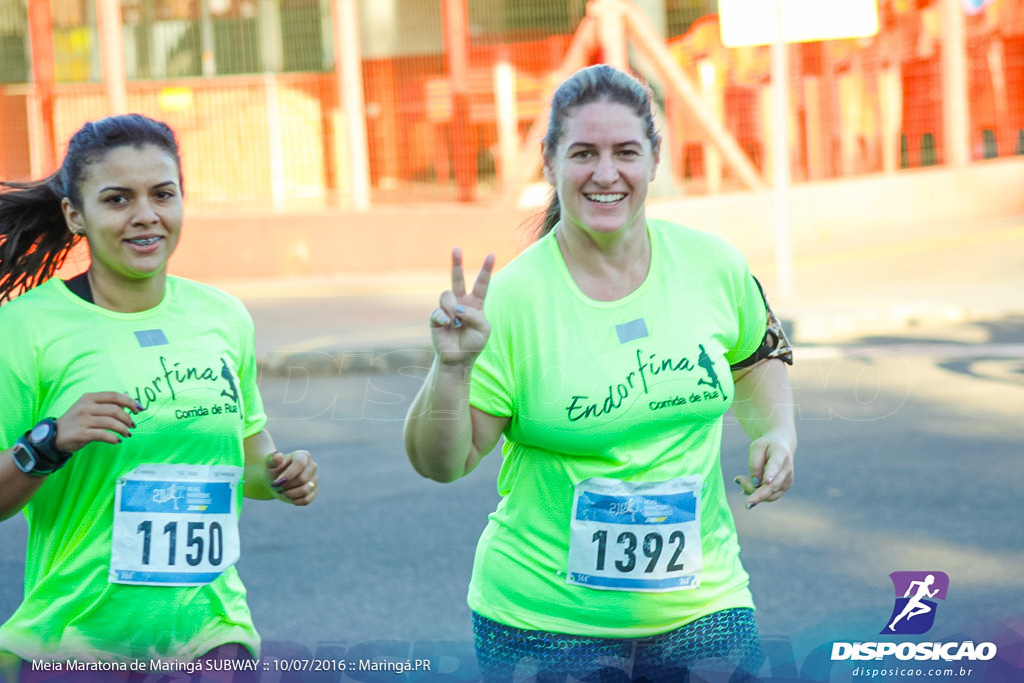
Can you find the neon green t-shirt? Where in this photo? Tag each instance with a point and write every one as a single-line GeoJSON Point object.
{"type": "Point", "coordinates": [190, 362]}
{"type": "Point", "coordinates": [601, 393]}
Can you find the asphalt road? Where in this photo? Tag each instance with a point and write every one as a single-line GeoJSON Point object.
{"type": "Point", "coordinates": [909, 459]}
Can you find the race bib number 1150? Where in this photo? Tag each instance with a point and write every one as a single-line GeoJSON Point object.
{"type": "Point", "coordinates": [175, 525]}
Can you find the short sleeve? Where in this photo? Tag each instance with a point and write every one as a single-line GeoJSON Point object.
{"type": "Point", "coordinates": [19, 383]}
{"type": "Point", "coordinates": [255, 416]}
{"type": "Point", "coordinates": [752, 319]}
{"type": "Point", "coordinates": [492, 379]}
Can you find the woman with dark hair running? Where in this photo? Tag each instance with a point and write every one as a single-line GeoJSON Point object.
{"type": "Point", "coordinates": [606, 354]}
{"type": "Point", "coordinates": [132, 423]}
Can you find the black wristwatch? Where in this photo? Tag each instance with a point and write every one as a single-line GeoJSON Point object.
{"type": "Point", "coordinates": [36, 452]}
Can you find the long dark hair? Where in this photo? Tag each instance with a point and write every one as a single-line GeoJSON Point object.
{"type": "Point", "coordinates": [34, 237]}
{"type": "Point", "coordinates": [598, 83]}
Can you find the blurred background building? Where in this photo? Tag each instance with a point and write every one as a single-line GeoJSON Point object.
{"type": "Point", "coordinates": [283, 105]}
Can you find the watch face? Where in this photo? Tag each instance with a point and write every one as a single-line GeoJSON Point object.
{"type": "Point", "coordinates": [23, 458]}
{"type": "Point", "coordinates": [40, 432]}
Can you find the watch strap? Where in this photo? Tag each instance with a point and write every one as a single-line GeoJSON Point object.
{"type": "Point", "coordinates": [45, 457]}
{"type": "Point", "coordinates": [47, 448]}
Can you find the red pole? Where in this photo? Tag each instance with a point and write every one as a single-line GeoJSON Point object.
{"type": "Point", "coordinates": [40, 28]}
{"type": "Point", "coordinates": [456, 45]}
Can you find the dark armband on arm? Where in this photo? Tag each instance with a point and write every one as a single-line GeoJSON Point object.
{"type": "Point", "coordinates": [775, 343]}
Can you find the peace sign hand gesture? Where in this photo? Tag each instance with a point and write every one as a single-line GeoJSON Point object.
{"type": "Point", "coordinates": [458, 327]}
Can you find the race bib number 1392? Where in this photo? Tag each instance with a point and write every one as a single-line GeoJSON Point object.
{"type": "Point", "coordinates": [636, 536]}
{"type": "Point", "coordinates": [175, 525]}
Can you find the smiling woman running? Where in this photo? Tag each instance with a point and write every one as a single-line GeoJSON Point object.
{"type": "Point", "coordinates": [132, 423]}
{"type": "Point", "coordinates": [607, 354]}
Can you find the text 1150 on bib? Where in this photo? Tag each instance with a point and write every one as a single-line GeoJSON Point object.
{"type": "Point", "coordinates": [636, 536]}
{"type": "Point", "coordinates": [175, 525]}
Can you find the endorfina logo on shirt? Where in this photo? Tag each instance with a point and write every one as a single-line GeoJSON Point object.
{"type": "Point", "coordinates": [649, 366]}
{"type": "Point", "coordinates": [174, 378]}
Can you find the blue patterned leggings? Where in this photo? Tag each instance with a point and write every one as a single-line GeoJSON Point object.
{"type": "Point", "coordinates": [722, 642]}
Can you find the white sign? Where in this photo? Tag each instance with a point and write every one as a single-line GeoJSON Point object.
{"type": "Point", "coordinates": [756, 22]}
{"type": "Point", "coordinates": [973, 7]}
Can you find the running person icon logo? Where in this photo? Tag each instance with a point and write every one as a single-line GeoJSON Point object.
{"type": "Point", "coordinates": [704, 360]}
{"type": "Point", "coordinates": [916, 592]}
{"type": "Point", "coordinates": [226, 373]}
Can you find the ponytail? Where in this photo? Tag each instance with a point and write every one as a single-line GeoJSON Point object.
{"type": "Point", "coordinates": [34, 237]}
{"type": "Point", "coordinates": [549, 219]}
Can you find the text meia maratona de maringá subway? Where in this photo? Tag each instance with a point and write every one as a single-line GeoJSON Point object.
{"type": "Point", "coordinates": [140, 665]}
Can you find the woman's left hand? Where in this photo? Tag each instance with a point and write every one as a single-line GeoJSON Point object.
{"type": "Point", "coordinates": [293, 477]}
{"type": "Point", "coordinates": [771, 470]}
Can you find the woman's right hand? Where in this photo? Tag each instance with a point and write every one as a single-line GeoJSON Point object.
{"type": "Point", "coordinates": [458, 326]}
{"type": "Point", "coordinates": [98, 417]}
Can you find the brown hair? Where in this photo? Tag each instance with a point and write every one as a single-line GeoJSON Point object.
{"type": "Point", "coordinates": [598, 83]}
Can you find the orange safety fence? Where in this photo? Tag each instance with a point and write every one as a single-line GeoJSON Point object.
{"type": "Point", "coordinates": [251, 88]}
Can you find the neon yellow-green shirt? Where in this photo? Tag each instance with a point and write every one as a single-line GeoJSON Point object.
{"type": "Point", "coordinates": [190, 362]}
{"type": "Point", "coordinates": [631, 391]}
